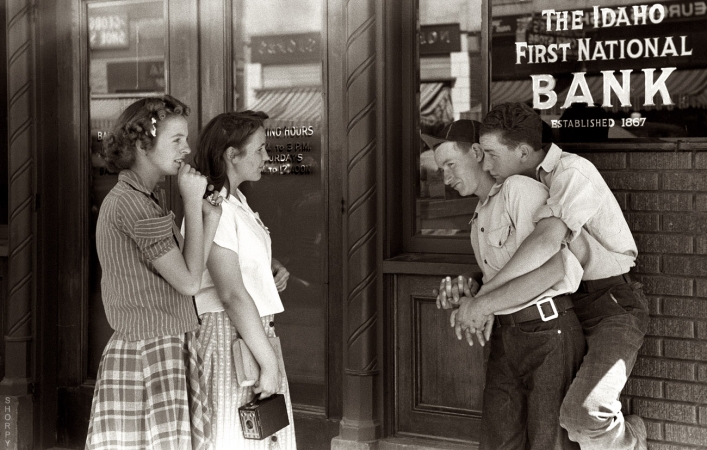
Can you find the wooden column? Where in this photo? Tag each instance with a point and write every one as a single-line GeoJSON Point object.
{"type": "Point", "coordinates": [16, 386]}
{"type": "Point", "coordinates": [359, 426]}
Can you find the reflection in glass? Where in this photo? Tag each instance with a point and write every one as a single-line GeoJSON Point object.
{"type": "Point", "coordinates": [450, 89]}
{"type": "Point", "coordinates": [126, 43]}
{"type": "Point", "coordinates": [626, 69]}
{"type": "Point", "coordinates": [278, 67]}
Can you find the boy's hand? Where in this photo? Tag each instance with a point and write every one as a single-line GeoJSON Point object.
{"type": "Point", "coordinates": [471, 320]}
{"type": "Point", "coordinates": [450, 291]}
{"type": "Point", "coordinates": [211, 204]}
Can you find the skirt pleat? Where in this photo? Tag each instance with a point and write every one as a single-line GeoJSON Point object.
{"type": "Point", "coordinates": [216, 336]}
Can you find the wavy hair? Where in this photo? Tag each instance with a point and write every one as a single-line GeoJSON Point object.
{"type": "Point", "coordinates": [135, 124]}
{"type": "Point", "coordinates": [230, 129]}
{"type": "Point", "coordinates": [515, 123]}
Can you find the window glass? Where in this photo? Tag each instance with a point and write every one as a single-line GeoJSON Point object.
{"type": "Point", "coordinates": [278, 65]}
{"type": "Point", "coordinates": [622, 69]}
{"type": "Point", "coordinates": [450, 69]}
{"type": "Point", "coordinates": [126, 52]}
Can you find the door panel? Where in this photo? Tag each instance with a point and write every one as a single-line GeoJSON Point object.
{"type": "Point", "coordinates": [440, 379]}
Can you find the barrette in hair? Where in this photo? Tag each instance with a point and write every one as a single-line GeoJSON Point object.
{"type": "Point", "coordinates": [153, 131]}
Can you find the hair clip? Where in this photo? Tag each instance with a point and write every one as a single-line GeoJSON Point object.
{"type": "Point", "coordinates": [153, 131]}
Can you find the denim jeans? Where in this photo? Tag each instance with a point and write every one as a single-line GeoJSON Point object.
{"type": "Point", "coordinates": [530, 368]}
{"type": "Point", "coordinates": [614, 321]}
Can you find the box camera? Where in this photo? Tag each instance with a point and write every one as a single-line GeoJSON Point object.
{"type": "Point", "coordinates": [262, 418]}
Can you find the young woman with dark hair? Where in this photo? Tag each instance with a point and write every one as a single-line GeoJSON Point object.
{"type": "Point", "coordinates": [239, 294]}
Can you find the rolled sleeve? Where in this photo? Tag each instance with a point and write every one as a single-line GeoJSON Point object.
{"type": "Point", "coordinates": [227, 231]}
{"type": "Point", "coordinates": [154, 236]}
{"type": "Point", "coordinates": [573, 199]}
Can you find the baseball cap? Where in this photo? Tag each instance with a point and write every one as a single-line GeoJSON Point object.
{"type": "Point", "coordinates": [463, 130]}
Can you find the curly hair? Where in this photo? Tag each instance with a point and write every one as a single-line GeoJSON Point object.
{"type": "Point", "coordinates": [515, 124]}
{"type": "Point", "coordinates": [136, 124]}
{"type": "Point", "coordinates": [230, 129]}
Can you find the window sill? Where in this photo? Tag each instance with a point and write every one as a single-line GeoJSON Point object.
{"type": "Point", "coordinates": [430, 264]}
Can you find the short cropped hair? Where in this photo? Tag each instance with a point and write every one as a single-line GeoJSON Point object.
{"type": "Point", "coordinates": [515, 124]}
{"type": "Point", "coordinates": [136, 124]}
{"type": "Point", "coordinates": [230, 129]}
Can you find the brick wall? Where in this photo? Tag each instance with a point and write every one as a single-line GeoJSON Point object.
{"type": "Point", "coordinates": [664, 198]}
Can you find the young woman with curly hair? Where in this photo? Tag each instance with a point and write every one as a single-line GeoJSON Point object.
{"type": "Point", "coordinates": [239, 292]}
{"type": "Point", "coordinates": [149, 390]}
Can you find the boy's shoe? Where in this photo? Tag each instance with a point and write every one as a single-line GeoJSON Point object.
{"type": "Point", "coordinates": [639, 430]}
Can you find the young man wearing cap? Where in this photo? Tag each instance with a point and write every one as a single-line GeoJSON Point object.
{"type": "Point", "coordinates": [582, 212]}
{"type": "Point", "coordinates": [537, 345]}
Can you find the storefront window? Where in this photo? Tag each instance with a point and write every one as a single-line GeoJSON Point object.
{"type": "Point", "coordinates": [624, 69]}
{"type": "Point", "coordinates": [278, 70]}
{"type": "Point", "coordinates": [450, 73]}
{"type": "Point", "coordinates": [126, 51]}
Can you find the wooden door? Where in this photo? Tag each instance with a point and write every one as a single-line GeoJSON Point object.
{"type": "Point", "coordinates": [440, 380]}
{"type": "Point", "coordinates": [119, 51]}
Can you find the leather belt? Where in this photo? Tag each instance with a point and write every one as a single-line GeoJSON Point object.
{"type": "Point", "coordinates": [603, 283]}
{"type": "Point", "coordinates": [544, 310]}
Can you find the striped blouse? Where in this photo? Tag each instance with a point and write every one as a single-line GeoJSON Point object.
{"type": "Point", "coordinates": [133, 231]}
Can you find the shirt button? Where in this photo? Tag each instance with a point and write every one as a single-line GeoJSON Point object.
{"type": "Point", "coordinates": [485, 262]}
{"type": "Point", "coordinates": [272, 324]}
{"type": "Point", "coordinates": [274, 438]}
{"type": "Point", "coordinates": [482, 229]}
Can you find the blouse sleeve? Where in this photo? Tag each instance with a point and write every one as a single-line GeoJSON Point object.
{"type": "Point", "coordinates": [148, 226]}
{"type": "Point", "coordinates": [227, 231]}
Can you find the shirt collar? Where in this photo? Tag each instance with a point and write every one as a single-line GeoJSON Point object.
{"type": "Point", "coordinates": [494, 190]}
{"type": "Point", "coordinates": [134, 180]}
{"type": "Point", "coordinates": [551, 159]}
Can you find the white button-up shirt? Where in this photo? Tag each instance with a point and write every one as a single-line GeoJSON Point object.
{"type": "Point", "coordinates": [503, 221]}
{"type": "Point", "coordinates": [241, 230]}
{"type": "Point", "coordinates": [580, 197]}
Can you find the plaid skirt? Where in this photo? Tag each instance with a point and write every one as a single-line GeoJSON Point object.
{"type": "Point", "coordinates": [216, 336]}
{"type": "Point", "coordinates": [150, 395]}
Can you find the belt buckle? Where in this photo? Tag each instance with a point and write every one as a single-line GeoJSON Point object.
{"type": "Point", "coordinates": [554, 314]}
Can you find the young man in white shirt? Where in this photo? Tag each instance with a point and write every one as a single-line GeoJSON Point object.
{"type": "Point", "coordinates": [583, 213]}
{"type": "Point", "coordinates": [537, 343]}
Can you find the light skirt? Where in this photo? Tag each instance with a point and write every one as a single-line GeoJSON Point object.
{"type": "Point", "coordinates": [149, 395]}
{"type": "Point", "coordinates": [224, 396]}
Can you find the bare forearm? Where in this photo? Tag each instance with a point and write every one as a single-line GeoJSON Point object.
{"type": "Point", "coordinates": [194, 242]}
{"type": "Point", "coordinates": [524, 288]}
{"type": "Point", "coordinates": [245, 317]}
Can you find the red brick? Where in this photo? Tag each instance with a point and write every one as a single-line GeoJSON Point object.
{"type": "Point", "coordinates": [654, 305]}
{"type": "Point", "coordinates": [661, 161]}
{"type": "Point", "coordinates": [662, 410]}
{"type": "Point", "coordinates": [686, 392]}
{"type": "Point", "coordinates": [663, 243]}
{"type": "Point", "coordinates": [604, 161]}
{"type": "Point", "coordinates": [701, 329]}
{"type": "Point", "coordinates": [666, 285]}
{"type": "Point", "coordinates": [654, 429]}
{"type": "Point", "coordinates": [701, 160]}
{"type": "Point", "coordinates": [661, 202]}
{"type": "Point", "coordinates": [664, 368]}
{"type": "Point", "coordinates": [648, 263]}
{"type": "Point", "coordinates": [702, 372]}
{"type": "Point", "coordinates": [666, 446]}
{"type": "Point", "coordinates": [685, 307]}
{"type": "Point", "coordinates": [671, 328]}
{"type": "Point", "coordinates": [643, 222]}
{"type": "Point", "coordinates": [643, 387]}
{"type": "Point", "coordinates": [685, 223]}
{"type": "Point", "coordinates": [632, 181]}
{"type": "Point", "coordinates": [702, 412]}
{"type": "Point", "coordinates": [685, 434]}
{"type": "Point", "coordinates": [651, 347]}
{"type": "Point", "coordinates": [685, 265]}
{"type": "Point", "coordinates": [682, 181]}
{"type": "Point", "coordinates": [701, 288]}
{"type": "Point", "coordinates": [701, 244]}
{"type": "Point", "coordinates": [701, 202]}
{"type": "Point", "coordinates": [622, 200]}
{"type": "Point", "coordinates": [691, 350]}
